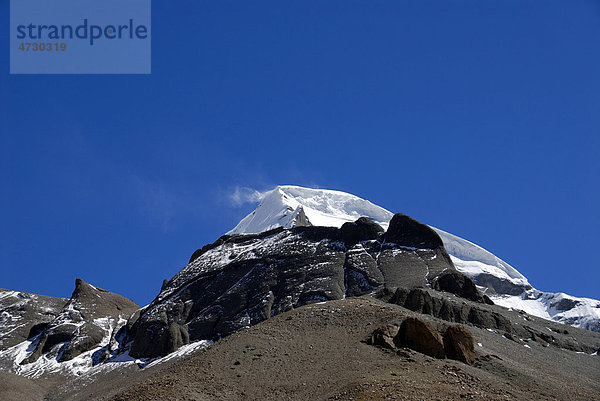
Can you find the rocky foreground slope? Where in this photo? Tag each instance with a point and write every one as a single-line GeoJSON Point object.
{"type": "Point", "coordinates": [321, 352]}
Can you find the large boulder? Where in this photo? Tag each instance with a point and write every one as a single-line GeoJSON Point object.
{"type": "Point", "coordinates": [457, 283]}
{"type": "Point", "coordinates": [456, 342]}
{"type": "Point", "coordinates": [406, 231]}
{"type": "Point", "coordinates": [363, 229]}
{"type": "Point", "coordinates": [420, 336]}
{"type": "Point", "coordinates": [412, 253]}
{"type": "Point", "coordinates": [459, 344]}
{"type": "Point", "coordinates": [384, 336]}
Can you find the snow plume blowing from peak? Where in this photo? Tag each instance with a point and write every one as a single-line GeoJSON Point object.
{"type": "Point", "coordinates": [242, 195]}
{"type": "Point", "coordinates": [292, 206]}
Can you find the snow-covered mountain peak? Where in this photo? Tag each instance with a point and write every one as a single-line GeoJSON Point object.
{"type": "Point", "coordinates": [290, 206]}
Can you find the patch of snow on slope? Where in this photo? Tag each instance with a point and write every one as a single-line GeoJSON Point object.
{"type": "Point", "coordinates": [49, 362]}
{"type": "Point", "coordinates": [82, 365]}
{"type": "Point", "coordinates": [579, 312]}
{"type": "Point", "coordinates": [472, 259]}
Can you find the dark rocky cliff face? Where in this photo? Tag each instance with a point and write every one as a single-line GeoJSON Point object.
{"type": "Point", "coordinates": [242, 280]}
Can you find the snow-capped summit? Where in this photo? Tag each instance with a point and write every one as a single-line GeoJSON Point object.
{"type": "Point", "coordinates": [291, 206]}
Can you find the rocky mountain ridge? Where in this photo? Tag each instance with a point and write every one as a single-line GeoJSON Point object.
{"type": "Point", "coordinates": [244, 279]}
{"type": "Point", "coordinates": [83, 331]}
{"type": "Point", "coordinates": [24, 315]}
{"type": "Point", "coordinates": [495, 277]}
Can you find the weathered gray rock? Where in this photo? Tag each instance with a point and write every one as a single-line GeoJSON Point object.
{"type": "Point", "coordinates": [497, 285]}
{"type": "Point", "coordinates": [429, 302]}
{"type": "Point", "coordinates": [513, 338]}
{"type": "Point", "coordinates": [457, 283]}
{"type": "Point", "coordinates": [399, 296]}
{"type": "Point", "coordinates": [411, 252]}
{"type": "Point", "coordinates": [362, 272]}
{"type": "Point", "coordinates": [363, 229]}
{"type": "Point", "coordinates": [384, 336]}
{"type": "Point", "coordinates": [406, 231]}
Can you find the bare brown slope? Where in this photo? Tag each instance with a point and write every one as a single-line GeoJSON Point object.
{"type": "Point", "coordinates": [316, 352]}
{"type": "Point", "coordinates": [18, 388]}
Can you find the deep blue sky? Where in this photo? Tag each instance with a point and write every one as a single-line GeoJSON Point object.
{"type": "Point", "coordinates": [479, 117]}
